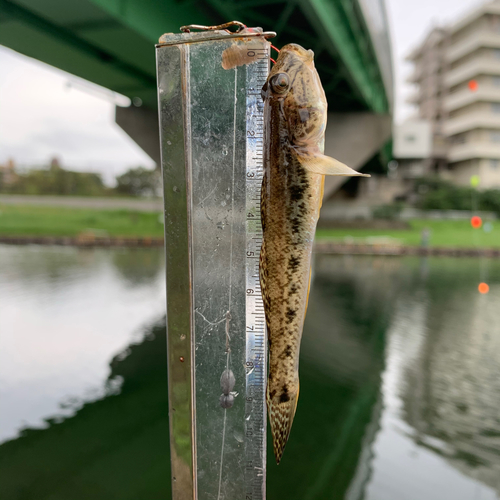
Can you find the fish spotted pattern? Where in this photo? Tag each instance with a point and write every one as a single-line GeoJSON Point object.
{"type": "Point", "coordinates": [292, 190]}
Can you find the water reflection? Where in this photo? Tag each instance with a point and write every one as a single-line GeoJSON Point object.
{"type": "Point", "coordinates": [399, 380]}
{"type": "Point", "coordinates": [139, 266]}
{"type": "Point", "coordinates": [64, 313]}
{"type": "Point", "coordinates": [438, 325]}
{"type": "Point", "coordinates": [341, 360]}
{"type": "Point", "coordinates": [451, 391]}
{"type": "Point", "coordinates": [403, 338]}
{"type": "Point", "coordinates": [115, 447]}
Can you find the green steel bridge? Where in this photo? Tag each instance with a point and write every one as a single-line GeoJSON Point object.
{"type": "Point", "coordinates": [111, 43]}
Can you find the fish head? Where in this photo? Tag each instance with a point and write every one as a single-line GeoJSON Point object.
{"type": "Point", "coordinates": [294, 86]}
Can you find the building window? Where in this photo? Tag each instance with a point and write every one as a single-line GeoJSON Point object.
{"type": "Point", "coordinates": [495, 136]}
{"type": "Point", "coordinates": [458, 139]}
{"type": "Point", "coordinates": [495, 107]}
{"type": "Point", "coordinates": [494, 164]}
{"type": "Point", "coordinates": [496, 81]}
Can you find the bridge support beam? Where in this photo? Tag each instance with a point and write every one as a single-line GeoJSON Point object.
{"type": "Point", "coordinates": [141, 125]}
{"type": "Point", "coordinates": [354, 138]}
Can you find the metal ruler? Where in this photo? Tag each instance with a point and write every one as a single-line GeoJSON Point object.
{"type": "Point", "coordinates": [256, 370]}
{"type": "Point", "coordinates": [211, 116]}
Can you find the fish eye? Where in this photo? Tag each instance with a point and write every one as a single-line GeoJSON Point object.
{"type": "Point", "coordinates": [280, 83]}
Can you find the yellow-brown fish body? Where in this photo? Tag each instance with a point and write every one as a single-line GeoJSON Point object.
{"type": "Point", "coordinates": [292, 191]}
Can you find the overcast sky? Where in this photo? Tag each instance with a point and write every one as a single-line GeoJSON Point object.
{"type": "Point", "coordinates": [42, 117]}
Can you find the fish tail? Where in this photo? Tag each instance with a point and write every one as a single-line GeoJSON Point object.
{"type": "Point", "coordinates": [281, 418]}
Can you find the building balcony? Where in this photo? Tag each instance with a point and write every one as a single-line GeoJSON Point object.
{"type": "Point", "coordinates": [415, 76]}
{"type": "Point", "coordinates": [473, 150]}
{"type": "Point", "coordinates": [473, 42]}
{"type": "Point", "coordinates": [471, 121]}
{"type": "Point", "coordinates": [464, 97]}
{"type": "Point", "coordinates": [483, 65]}
{"type": "Point", "coordinates": [439, 150]}
{"type": "Point", "coordinates": [414, 98]}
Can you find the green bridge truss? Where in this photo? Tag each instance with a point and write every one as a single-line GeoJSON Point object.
{"type": "Point", "coordinates": [111, 42]}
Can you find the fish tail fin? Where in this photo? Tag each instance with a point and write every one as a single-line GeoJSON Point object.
{"type": "Point", "coordinates": [281, 418]}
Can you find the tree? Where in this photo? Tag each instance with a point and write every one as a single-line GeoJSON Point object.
{"type": "Point", "coordinates": [139, 182]}
{"type": "Point", "coordinates": [54, 180]}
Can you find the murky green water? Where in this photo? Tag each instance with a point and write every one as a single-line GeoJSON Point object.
{"type": "Point", "coordinates": [400, 380]}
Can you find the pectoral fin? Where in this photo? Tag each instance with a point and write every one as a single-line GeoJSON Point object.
{"type": "Point", "coordinates": [318, 163]}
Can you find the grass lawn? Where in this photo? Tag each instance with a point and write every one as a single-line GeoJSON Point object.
{"type": "Point", "coordinates": [443, 233]}
{"type": "Point", "coordinates": [29, 220]}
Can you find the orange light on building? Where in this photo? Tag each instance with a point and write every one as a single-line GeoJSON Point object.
{"type": "Point", "coordinates": [473, 85]}
{"type": "Point", "coordinates": [483, 288]}
{"type": "Point", "coordinates": [476, 222]}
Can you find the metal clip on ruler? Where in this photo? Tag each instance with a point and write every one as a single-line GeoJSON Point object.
{"type": "Point", "coordinates": [211, 126]}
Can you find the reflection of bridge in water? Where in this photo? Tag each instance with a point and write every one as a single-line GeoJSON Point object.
{"type": "Point", "coordinates": [341, 361]}
{"type": "Point", "coordinates": [434, 429]}
{"type": "Point", "coordinates": [398, 394]}
{"type": "Point", "coordinates": [115, 447]}
{"type": "Point", "coordinates": [118, 447]}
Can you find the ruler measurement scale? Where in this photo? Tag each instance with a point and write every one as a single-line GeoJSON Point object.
{"type": "Point", "coordinates": [256, 359]}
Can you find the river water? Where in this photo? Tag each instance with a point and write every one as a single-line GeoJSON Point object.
{"type": "Point", "coordinates": [400, 379]}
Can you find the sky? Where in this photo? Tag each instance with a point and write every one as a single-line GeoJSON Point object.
{"type": "Point", "coordinates": [42, 117]}
{"type": "Point", "coordinates": [46, 113]}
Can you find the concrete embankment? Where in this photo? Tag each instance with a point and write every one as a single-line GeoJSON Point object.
{"type": "Point", "coordinates": [400, 250]}
{"type": "Point", "coordinates": [83, 241]}
{"type": "Point", "coordinates": [325, 247]}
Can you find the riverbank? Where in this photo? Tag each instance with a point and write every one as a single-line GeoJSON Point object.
{"type": "Point", "coordinates": [125, 227]}
{"type": "Point", "coordinates": [91, 202]}
{"type": "Point", "coordinates": [84, 240]}
{"type": "Point", "coordinates": [440, 233]}
{"type": "Point", "coordinates": [69, 222]}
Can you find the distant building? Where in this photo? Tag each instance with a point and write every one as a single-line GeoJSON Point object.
{"type": "Point", "coordinates": [8, 174]}
{"type": "Point", "coordinates": [457, 71]}
{"type": "Point", "coordinates": [55, 164]}
{"type": "Point", "coordinates": [413, 148]}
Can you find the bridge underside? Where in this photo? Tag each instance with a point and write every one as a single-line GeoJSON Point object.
{"type": "Point", "coordinates": [111, 43]}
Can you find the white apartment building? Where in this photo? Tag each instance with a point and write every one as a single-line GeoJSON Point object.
{"type": "Point", "coordinates": [457, 71]}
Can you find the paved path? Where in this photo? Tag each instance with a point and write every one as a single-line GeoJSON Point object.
{"type": "Point", "coordinates": [138, 204]}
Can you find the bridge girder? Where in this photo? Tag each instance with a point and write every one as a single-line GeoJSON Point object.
{"type": "Point", "coordinates": [110, 42]}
